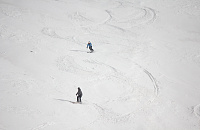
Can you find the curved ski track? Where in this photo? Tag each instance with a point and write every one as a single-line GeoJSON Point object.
{"type": "Point", "coordinates": [153, 79]}
{"type": "Point", "coordinates": [197, 111]}
{"type": "Point", "coordinates": [156, 88]}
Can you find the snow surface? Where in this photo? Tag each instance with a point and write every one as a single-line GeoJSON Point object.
{"type": "Point", "coordinates": [143, 75]}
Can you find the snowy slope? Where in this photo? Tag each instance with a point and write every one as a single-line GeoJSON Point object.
{"type": "Point", "coordinates": [143, 74]}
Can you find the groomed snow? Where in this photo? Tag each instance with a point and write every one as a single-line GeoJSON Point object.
{"type": "Point", "coordinates": [143, 75]}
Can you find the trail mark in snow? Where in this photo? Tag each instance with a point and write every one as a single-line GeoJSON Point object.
{"type": "Point", "coordinates": [150, 14]}
{"type": "Point", "coordinates": [156, 90]}
{"type": "Point", "coordinates": [51, 33]}
{"type": "Point", "coordinates": [134, 16]}
{"type": "Point", "coordinates": [46, 124]}
{"type": "Point", "coordinates": [111, 116]}
{"type": "Point", "coordinates": [197, 111]}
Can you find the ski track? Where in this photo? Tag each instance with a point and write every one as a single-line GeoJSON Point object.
{"type": "Point", "coordinates": [110, 116]}
{"type": "Point", "coordinates": [106, 116]}
{"type": "Point", "coordinates": [85, 22]}
{"type": "Point", "coordinates": [70, 65]}
{"type": "Point", "coordinates": [197, 111]}
{"type": "Point", "coordinates": [149, 12]}
{"type": "Point", "coordinates": [42, 126]}
{"type": "Point", "coordinates": [110, 17]}
{"type": "Point", "coordinates": [104, 113]}
{"type": "Point", "coordinates": [146, 16]}
{"type": "Point", "coordinates": [94, 121]}
{"type": "Point", "coordinates": [51, 33]}
{"type": "Point", "coordinates": [149, 16]}
{"type": "Point", "coordinates": [156, 87]}
{"type": "Point", "coordinates": [99, 63]}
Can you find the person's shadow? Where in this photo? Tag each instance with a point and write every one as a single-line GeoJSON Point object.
{"type": "Point", "coordinates": [64, 100]}
{"type": "Point", "coordinates": [78, 50]}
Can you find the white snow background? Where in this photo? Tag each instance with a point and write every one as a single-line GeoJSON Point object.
{"type": "Point", "coordinates": [143, 75]}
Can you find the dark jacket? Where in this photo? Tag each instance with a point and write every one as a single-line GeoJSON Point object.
{"type": "Point", "coordinates": [79, 93]}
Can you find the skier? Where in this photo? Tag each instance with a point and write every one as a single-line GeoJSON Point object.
{"type": "Point", "coordinates": [90, 46]}
{"type": "Point", "coordinates": [79, 95]}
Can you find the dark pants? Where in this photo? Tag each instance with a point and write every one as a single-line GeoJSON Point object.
{"type": "Point", "coordinates": [90, 48]}
{"type": "Point", "coordinates": [78, 98]}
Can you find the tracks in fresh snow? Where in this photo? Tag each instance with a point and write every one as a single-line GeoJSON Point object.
{"type": "Point", "coordinates": [153, 79]}
{"type": "Point", "coordinates": [106, 115]}
{"type": "Point", "coordinates": [44, 125]}
{"type": "Point", "coordinates": [156, 88]}
{"type": "Point", "coordinates": [135, 16]}
{"type": "Point", "coordinates": [197, 111]}
{"type": "Point", "coordinates": [110, 116]}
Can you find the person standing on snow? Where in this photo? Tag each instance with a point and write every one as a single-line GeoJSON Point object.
{"type": "Point", "coordinates": [90, 46]}
{"type": "Point", "coordinates": [79, 95]}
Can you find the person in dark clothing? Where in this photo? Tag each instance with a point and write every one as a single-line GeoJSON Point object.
{"type": "Point", "coordinates": [79, 95]}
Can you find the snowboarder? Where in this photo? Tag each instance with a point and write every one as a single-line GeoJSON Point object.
{"type": "Point", "coordinates": [90, 46]}
{"type": "Point", "coordinates": [79, 95]}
